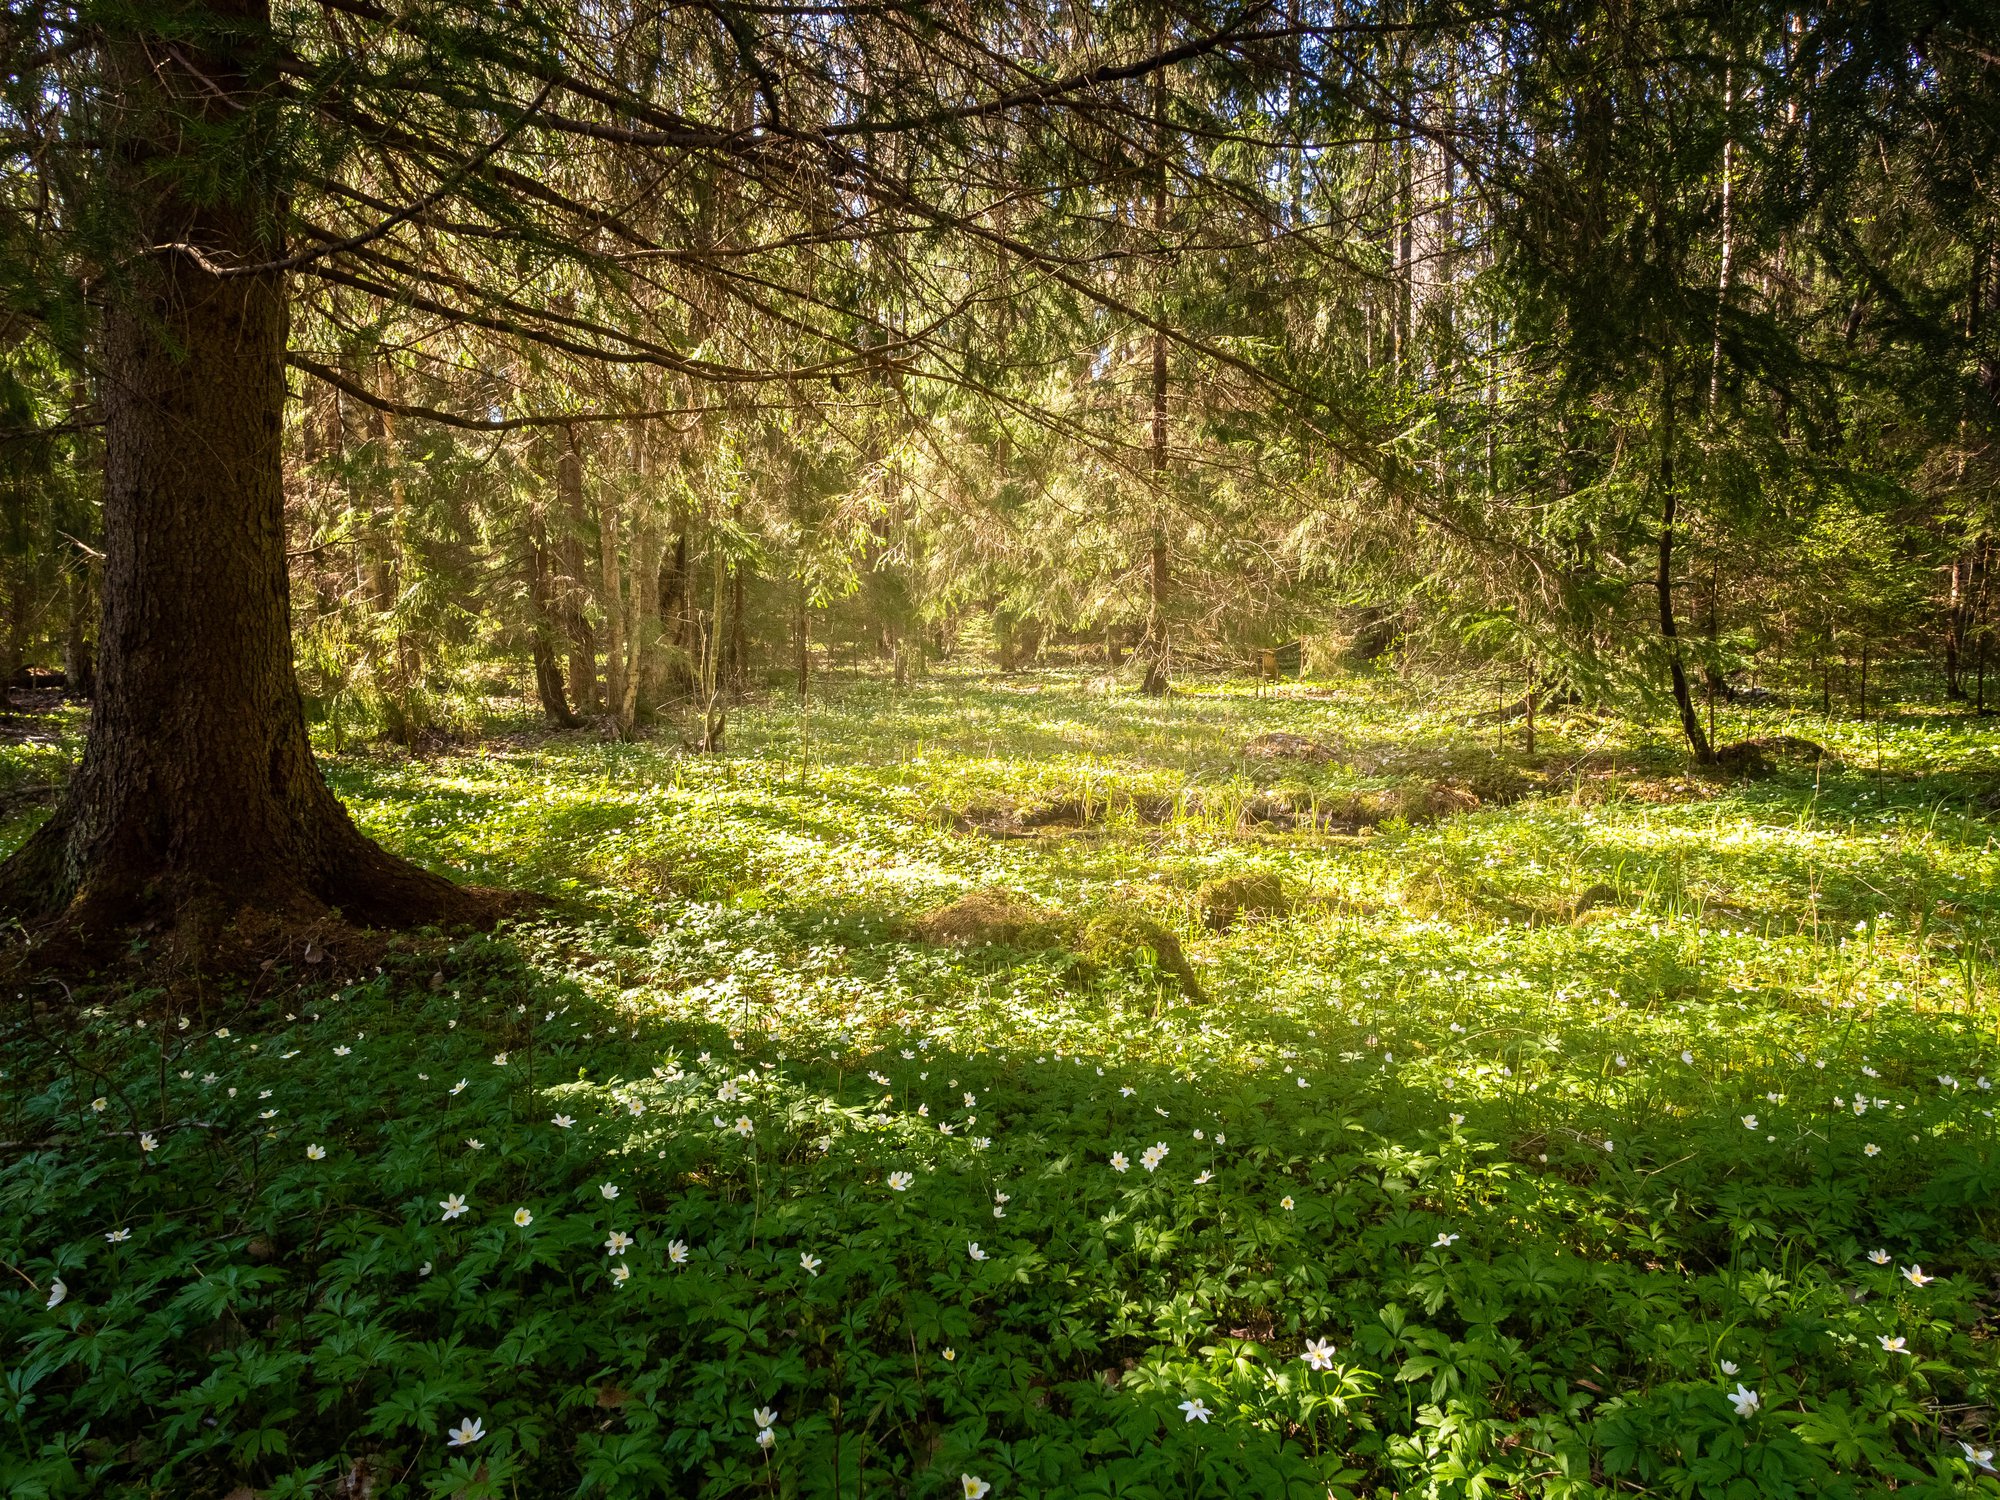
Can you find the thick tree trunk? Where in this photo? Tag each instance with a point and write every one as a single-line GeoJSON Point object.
{"type": "Point", "coordinates": [198, 801]}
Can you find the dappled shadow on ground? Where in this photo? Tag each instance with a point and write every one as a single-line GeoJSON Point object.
{"type": "Point", "coordinates": [1527, 1223]}
{"type": "Point", "coordinates": [1516, 1227]}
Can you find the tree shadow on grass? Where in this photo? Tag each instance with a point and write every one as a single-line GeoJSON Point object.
{"type": "Point", "coordinates": [1498, 1274]}
{"type": "Point", "coordinates": [1504, 1295]}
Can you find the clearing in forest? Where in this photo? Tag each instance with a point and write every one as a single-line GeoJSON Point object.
{"type": "Point", "coordinates": [1004, 1085]}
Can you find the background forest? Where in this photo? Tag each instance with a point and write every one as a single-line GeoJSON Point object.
{"type": "Point", "coordinates": [1613, 346]}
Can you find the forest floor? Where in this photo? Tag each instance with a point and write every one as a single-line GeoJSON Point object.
{"type": "Point", "coordinates": [995, 1083]}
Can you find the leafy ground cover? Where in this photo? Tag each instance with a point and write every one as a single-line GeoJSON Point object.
{"type": "Point", "coordinates": [1412, 1117]}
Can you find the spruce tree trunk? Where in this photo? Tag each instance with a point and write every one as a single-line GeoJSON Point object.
{"type": "Point", "coordinates": [198, 801]}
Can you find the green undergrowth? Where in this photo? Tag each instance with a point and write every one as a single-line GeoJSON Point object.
{"type": "Point", "coordinates": [1511, 1150]}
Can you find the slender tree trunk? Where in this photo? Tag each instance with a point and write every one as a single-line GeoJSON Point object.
{"type": "Point", "coordinates": [739, 634]}
{"type": "Point", "coordinates": [642, 629]}
{"type": "Point", "coordinates": [548, 672]}
{"type": "Point", "coordinates": [739, 629]}
{"type": "Point", "coordinates": [1534, 685]}
{"type": "Point", "coordinates": [1982, 568]}
{"type": "Point", "coordinates": [1954, 630]}
{"type": "Point", "coordinates": [574, 588]}
{"type": "Point", "coordinates": [1406, 219]}
{"type": "Point", "coordinates": [1154, 645]}
{"type": "Point", "coordinates": [1669, 495]}
{"type": "Point", "coordinates": [610, 533]}
{"type": "Point", "coordinates": [713, 717]}
{"type": "Point", "coordinates": [801, 620]}
{"type": "Point", "coordinates": [1726, 274]}
{"type": "Point", "coordinates": [1711, 669]}
{"type": "Point", "coordinates": [198, 801]}
{"type": "Point", "coordinates": [677, 616]}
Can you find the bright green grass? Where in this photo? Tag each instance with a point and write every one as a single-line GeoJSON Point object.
{"type": "Point", "coordinates": [1539, 1175]}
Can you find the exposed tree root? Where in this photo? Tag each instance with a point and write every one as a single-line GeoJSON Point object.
{"type": "Point", "coordinates": [329, 896]}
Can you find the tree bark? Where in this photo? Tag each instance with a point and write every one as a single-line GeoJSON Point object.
{"type": "Point", "coordinates": [802, 640]}
{"type": "Point", "coordinates": [198, 801]}
{"type": "Point", "coordinates": [1402, 361]}
{"type": "Point", "coordinates": [548, 671]}
{"type": "Point", "coordinates": [610, 529]}
{"type": "Point", "coordinates": [1704, 753]}
{"type": "Point", "coordinates": [642, 622]}
{"type": "Point", "coordinates": [1726, 273]}
{"type": "Point", "coordinates": [739, 629]}
{"type": "Point", "coordinates": [677, 618]}
{"type": "Point", "coordinates": [1954, 630]}
{"type": "Point", "coordinates": [1153, 645]}
{"type": "Point", "coordinates": [574, 587]}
